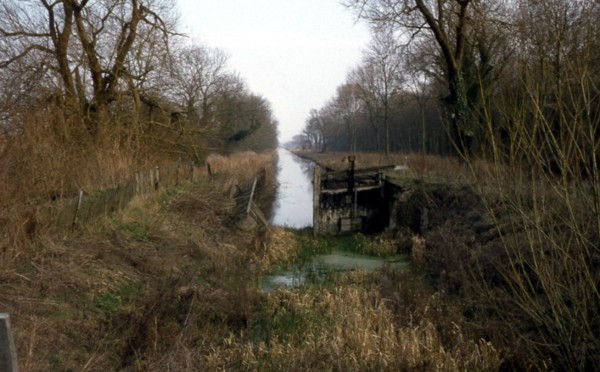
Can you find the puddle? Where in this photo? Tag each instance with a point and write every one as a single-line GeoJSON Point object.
{"type": "Point", "coordinates": [338, 261]}
{"type": "Point", "coordinates": [344, 261]}
{"type": "Point", "coordinates": [286, 279]}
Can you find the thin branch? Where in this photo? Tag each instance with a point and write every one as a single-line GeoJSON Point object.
{"type": "Point", "coordinates": [4, 64]}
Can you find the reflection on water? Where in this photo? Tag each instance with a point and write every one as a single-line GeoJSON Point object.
{"type": "Point", "coordinates": [294, 206]}
{"type": "Point", "coordinates": [287, 279]}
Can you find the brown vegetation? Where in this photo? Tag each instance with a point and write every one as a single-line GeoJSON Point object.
{"type": "Point", "coordinates": [513, 87]}
{"type": "Point", "coordinates": [169, 284]}
{"type": "Point", "coordinates": [510, 253]}
{"type": "Point", "coordinates": [128, 288]}
{"type": "Point", "coordinates": [517, 255]}
{"type": "Point", "coordinates": [92, 92]}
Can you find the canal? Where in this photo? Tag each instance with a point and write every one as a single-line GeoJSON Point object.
{"type": "Point", "coordinates": [294, 204]}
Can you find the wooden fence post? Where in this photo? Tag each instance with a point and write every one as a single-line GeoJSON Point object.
{"type": "Point", "coordinates": [156, 178]}
{"type": "Point", "coordinates": [77, 207]}
{"type": "Point", "coordinates": [251, 197]}
{"type": "Point", "coordinates": [137, 184]}
{"type": "Point", "coordinates": [8, 352]}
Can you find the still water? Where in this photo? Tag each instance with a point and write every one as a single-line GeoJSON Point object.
{"type": "Point", "coordinates": [336, 261]}
{"type": "Point", "coordinates": [294, 205]}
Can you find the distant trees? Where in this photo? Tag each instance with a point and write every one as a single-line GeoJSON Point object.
{"type": "Point", "coordinates": [379, 80]}
{"type": "Point", "coordinates": [360, 114]}
{"type": "Point", "coordinates": [314, 132]}
{"type": "Point", "coordinates": [446, 76]}
{"type": "Point", "coordinates": [199, 77]}
{"type": "Point", "coordinates": [453, 37]}
{"type": "Point", "coordinates": [445, 48]}
{"type": "Point", "coordinates": [374, 110]}
{"type": "Point", "coordinates": [245, 122]}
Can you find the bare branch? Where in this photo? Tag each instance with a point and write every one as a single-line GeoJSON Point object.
{"type": "Point", "coordinates": [4, 64]}
{"type": "Point", "coordinates": [22, 33]}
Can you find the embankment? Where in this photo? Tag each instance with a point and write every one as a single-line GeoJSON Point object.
{"type": "Point", "coordinates": [139, 288]}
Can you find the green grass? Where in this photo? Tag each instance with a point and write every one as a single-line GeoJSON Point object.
{"type": "Point", "coordinates": [379, 245]}
{"type": "Point", "coordinates": [113, 302]}
{"type": "Point", "coordinates": [138, 224]}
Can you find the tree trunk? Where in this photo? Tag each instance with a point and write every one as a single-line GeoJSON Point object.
{"type": "Point", "coordinates": [386, 124]}
{"type": "Point", "coordinates": [460, 125]}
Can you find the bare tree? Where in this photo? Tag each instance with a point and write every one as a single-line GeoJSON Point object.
{"type": "Point", "coordinates": [379, 79]}
{"type": "Point", "coordinates": [314, 131]}
{"type": "Point", "coordinates": [88, 46]}
{"type": "Point", "coordinates": [199, 76]}
{"type": "Point", "coordinates": [347, 107]}
{"type": "Point", "coordinates": [444, 22]}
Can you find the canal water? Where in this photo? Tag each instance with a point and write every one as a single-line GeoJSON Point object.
{"type": "Point", "coordinates": [322, 264]}
{"type": "Point", "coordinates": [294, 204]}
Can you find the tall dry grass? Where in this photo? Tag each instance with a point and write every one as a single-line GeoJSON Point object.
{"type": "Point", "coordinates": [345, 328]}
{"type": "Point", "coordinates": [48, 157]}
{"type": "Point", "coordinates": [242, 166]}
{"type": "Point", "coordinates": [51, 156]}
{"type": "Point", "coordinates": [240, 169]}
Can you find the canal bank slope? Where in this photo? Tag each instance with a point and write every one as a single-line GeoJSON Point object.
{"type": "Point", "coordinates": [141, 289]}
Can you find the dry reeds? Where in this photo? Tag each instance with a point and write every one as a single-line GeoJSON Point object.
{"type": "Point", "coordinates": [241, 166]}
{"type": "Point", "coordinates": [346, 328]}
{"type": "Point", "coordinates": [418, 165]}
{"type": "Point", "coordinates": [280, 247]}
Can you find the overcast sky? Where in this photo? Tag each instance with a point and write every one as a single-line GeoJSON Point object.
{"type": "Point", "coordinates": [293, 52]}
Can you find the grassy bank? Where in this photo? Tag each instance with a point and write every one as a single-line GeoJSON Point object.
{"type": "Point", "coordinates": [126, 290]}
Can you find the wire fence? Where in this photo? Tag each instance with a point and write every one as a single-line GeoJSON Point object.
{"type": "Point", "coordinates": [67, 214]}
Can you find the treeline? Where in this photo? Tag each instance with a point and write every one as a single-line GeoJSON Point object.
{"type": "Point", "coordinates": [473, 78]}
{"type": "Point", "coordinates": [92, 90]}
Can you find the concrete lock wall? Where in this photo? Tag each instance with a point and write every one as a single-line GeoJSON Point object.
{"type": "Point", "coordinates": [338, 214]}
{"type": "Point", "coordinates": [364, 200]}
{"type": "Point", "coordinates": [349, 201]}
